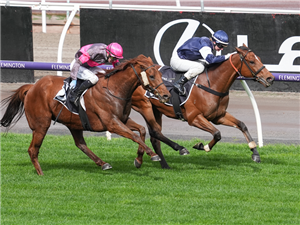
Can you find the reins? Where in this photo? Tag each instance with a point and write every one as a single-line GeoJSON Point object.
{"type": "Point", "coordinates": [124, 99]}
{"type": "Point", "coordinates": [144, 81]}
{"type": "Point", "coordinates": [208, 89]}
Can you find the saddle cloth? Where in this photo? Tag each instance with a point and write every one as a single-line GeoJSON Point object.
{"type": "Point", "coordinates": [62, 96]}
{"type": "Point", "coordinates": [168, 77]}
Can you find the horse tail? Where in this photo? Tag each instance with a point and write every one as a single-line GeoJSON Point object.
{"type": "Point", "coordinates": [14, 107]}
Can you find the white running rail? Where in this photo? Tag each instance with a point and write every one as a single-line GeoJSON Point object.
{"type": "Point", "coordinates": [43, 5]}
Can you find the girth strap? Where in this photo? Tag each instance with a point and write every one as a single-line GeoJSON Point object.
{"type": "Point", "coordinates": [84, 119]}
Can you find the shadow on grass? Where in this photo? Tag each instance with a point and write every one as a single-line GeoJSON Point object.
{"type": "Point", "coordinates": [186, 163]}
{"type": "Point", "coordinates": [197, 160]}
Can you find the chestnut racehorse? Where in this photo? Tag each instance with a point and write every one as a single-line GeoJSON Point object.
{"type": "Point", "coordinates": [203, 106]}
{"type": "Point", "coordinates": [108, 105]}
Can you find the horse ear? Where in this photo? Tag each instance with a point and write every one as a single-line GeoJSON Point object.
{"type": "Point", "coordinates": [238, 49]}
{"type": "Point", "coordinates": [241, 48]}
{"type": "Point", "coordinates": [150, 60]}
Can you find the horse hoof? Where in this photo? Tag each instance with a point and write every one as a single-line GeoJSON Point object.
{"type": "Point", "coordinates": [106, 166]}
{"type": "Point", "coordinates": [155, 158]}
{"type": "Point", "coordinates": [184, 151]}
{"type": "Point", "coordinates": [137, 164]}
{"type": "Point", "coordinates": [199, 146]}
{"type": "Point", "coordinates": [256, 158]}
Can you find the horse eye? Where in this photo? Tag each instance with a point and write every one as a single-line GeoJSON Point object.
{"type": "Point", "coordinates": [252, 62]}
{"type": "Point", "coordinates": [152, 77]}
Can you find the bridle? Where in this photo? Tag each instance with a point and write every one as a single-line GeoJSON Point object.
{"type": "Point", "coordinates": [243, 60]}
{"type": "Point", "coordinates": [144, 81]}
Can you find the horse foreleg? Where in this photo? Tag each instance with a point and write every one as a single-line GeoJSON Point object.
{"type": "Point", "coordinates": [203, 124]}
{"type": "Point", "coordinates": [153, 119]}
{"type": "Point", "coordinates": [156, 145]}
{"type": "Point", "coordinates": [117, 127]}
{"type": "Point", "coordinates": [81, 144]}
{"type": "Point", "coordinates": [137, 127]}
{"type": "Point", "coordinates": [229, 120]}
{"type": "Point", "coordinates": [155, 126]}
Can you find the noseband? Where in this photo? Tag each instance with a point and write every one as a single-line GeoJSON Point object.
{"type": "Point", "coordinates": [243, 60]}
{"type": "Point", "coordinates": [144, 81]}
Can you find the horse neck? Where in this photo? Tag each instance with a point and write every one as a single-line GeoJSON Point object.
{"type": "Point", "coordinates": [223, 76]}
{"type": "Point", "coordinates": [125, 82]}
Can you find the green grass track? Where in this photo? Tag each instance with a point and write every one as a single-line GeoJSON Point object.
{"type": "Point", "coordinates": [223, 186]}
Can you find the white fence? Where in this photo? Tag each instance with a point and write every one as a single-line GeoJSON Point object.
{"type": "Point", "coordinates": [200, 7]}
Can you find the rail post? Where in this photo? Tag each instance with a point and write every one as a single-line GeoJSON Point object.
{"type": "Point", "coordinates": [63, 35]}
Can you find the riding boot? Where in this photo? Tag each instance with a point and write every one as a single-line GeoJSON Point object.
{"type": "Point", "coordinates": [178, 85]}
{"type": "Point", "coordinates": [77, 92]}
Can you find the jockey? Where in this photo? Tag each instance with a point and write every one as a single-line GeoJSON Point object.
{"type": "Point", "coordinates": [84, 66]}
{"type": "Point", "coordinates": [195, 54]}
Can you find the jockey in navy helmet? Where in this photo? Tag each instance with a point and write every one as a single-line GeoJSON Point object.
{"type": "Point", "coordinates": [195, 54]}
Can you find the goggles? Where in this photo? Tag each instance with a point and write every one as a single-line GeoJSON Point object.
{"type": "Point", "coordinates": [113, 58]}
{"type": "Point", "coordinates": [220, 45]}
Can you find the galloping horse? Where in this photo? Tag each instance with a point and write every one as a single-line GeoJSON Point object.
{"type": "Point", "coordinates": [108, 105]}
{"type": "Point", "coordinates": [207, 105]}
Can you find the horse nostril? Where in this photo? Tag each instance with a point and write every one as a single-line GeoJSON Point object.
{"type": "Point", "coordinates": [270, 79]}
{"type": "Point", "coordinates": [166, 97]}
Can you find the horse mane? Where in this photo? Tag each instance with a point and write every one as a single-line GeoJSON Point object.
{"type": "Point", "coordinates": [123, 66]}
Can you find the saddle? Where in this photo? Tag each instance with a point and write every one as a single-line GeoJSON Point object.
{"type": "Point", "coordinates": [169, 76]}
{"type": "Point", "coordinates": [63, 97]}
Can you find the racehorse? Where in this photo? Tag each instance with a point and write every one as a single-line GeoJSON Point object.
{"type": "Point", "coordinates": [205, 103]}
{"type": "Point", "coordinates": [108, 106]}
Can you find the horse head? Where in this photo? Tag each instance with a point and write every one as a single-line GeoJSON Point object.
{"type": "Point", "coordinates": [148, 76]}
{"type": "Point", "coordinates": [251, 66]}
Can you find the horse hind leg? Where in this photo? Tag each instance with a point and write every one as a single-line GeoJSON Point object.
{"type": "Point", "coordinates": [81, 144]}
{"type": "Point", "coordinates": [39, 127]}
{"type": "Point", "coordinates": [155, 126]}
{"type": "Point", "coordinates": [157, 148]}
{"type": "Point", "coordinates": [33, 150]}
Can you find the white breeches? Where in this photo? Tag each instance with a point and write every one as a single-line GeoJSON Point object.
{"type": "Point", "coordinates": [192, 68]}
{"type": "Point", "coordinates": [87, 74]}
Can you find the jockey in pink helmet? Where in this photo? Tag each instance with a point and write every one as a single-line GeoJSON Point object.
{"type": "Point", "coordinates": [115, 50]}
{"type": "Point", "coordinates": [84, 66]}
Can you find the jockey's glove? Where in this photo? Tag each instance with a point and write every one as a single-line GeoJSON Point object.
{"type": "Point", "coordinates": [228, 55]}
{"type": "Point", "coordinates": [73, 84]}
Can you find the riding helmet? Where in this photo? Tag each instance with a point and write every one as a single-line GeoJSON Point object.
{"type": "Point", "coordinates": [115, 50]}
{"type": "Point", "coordinates": [220, 36]}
